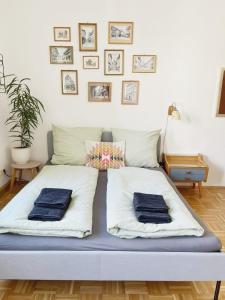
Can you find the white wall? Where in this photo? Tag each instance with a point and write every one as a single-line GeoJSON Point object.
{"type": "Point", "coordinates": [187, 37]}
{"type": "Point", "coordinates": [4, 152]}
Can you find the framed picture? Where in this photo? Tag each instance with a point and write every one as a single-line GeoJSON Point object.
{"type": "Point", "coordinates": [62, 34]}
{"type": "Point", "coordinates": [114, 62]}
{"type": "Point", "coordinates": [99, 91]}
{"type": "Point", "coordinates": [61, 54]}
{"type": "Point", "coordinates": [130, 92]}
{"type": "Point", "coordinates": [120, 33]}
{"type": "Point", "coordinates": [90, 62]}
{"type": "Point", "coordinates": [87, 36]}
{"type": "Point", "coordinates": [69, 81]}
{"type": "Point", "coordinates": [144, 63]}
{"type": "Point", "coordinates": [220, 111]}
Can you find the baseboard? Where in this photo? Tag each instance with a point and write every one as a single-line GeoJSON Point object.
{"type": "Point", "coordinates": [214, 186]}
{"type": "Point", "coordinates": [222, 187]}
{"type": "Point", "coordinates": [4, 188]}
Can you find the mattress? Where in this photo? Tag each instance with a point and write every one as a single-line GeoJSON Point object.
{"type": "Point", "coordinates": [100, 240]}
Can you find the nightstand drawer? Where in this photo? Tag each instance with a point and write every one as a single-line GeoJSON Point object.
{"type": "Point", "coordinates": [194, 174]}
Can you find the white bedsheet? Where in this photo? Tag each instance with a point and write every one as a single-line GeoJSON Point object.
{"type": "Point", "coordinates": [121, 219]}
{"type": "Point", "coordinates": [77, 221]}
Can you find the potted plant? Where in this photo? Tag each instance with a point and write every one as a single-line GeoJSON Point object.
{"type": "Point", "coordinates": [25, 114]}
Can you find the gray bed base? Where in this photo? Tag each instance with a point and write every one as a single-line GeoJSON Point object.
{"type": "Point", "coordinates": [113, 265]}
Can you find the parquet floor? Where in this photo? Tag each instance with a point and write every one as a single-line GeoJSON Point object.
{"type": "Point", "coordinates": [211, 208]}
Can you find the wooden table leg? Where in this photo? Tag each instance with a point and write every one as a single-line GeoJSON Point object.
{"type": "Point", "coordinates": [13, 178]}
{"type": "Point", "coordinates": [193, 185]}
{"type": "Point", "coordinates": [35, 171]}
{"type": "Point", "coordinates": [199, 189]}
{"type": "Point", "coordinates": [32, 173]}
{"type": "Point", "coordinates": [20, 174]}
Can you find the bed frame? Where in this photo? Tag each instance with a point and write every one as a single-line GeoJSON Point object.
{"type": "Point", "coordinates": [113, 265]}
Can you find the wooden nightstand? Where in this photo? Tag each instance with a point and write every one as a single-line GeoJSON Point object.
{"type": "Point", "coordinates": [32, 166]}
{"type": "Point", "coordinates": [187, 168]}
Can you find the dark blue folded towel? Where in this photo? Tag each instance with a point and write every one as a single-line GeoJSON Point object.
{"type": "Point", "coordinates": [46, 214]}
{"type": "Point", "coordinates": [54, 198]}
{"type": "Point", "coordinates": [152, 217]}
{"type": "Point", "coordinates": [149, 202]}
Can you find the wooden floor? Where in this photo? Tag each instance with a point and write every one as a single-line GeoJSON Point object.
{"type": "Point", "coordinates": [211, 208]}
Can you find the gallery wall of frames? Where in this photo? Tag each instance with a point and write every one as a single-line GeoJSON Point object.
{"type": "Point", "coordinates": [190, 55]}
{"type": "Point", "coordinates": [112, 64]}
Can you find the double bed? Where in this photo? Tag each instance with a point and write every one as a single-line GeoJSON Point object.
{"type": "Point", "coordinates": [102, 256]}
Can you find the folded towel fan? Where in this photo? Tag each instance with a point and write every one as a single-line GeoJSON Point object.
{"type": "Point", "coordinates": [151, 217]}
{"type": "Point", "coordinates": [54, 198]}
{"type": "Point", "coordinates": [149, 202]}
{"type": "Point", "coordinates": [46, 214]}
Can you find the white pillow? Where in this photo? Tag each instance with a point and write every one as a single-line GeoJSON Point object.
{"type": "Point", "coordinates": [69, 144]}
{"type": "Point", "coordinates": [141, 146]}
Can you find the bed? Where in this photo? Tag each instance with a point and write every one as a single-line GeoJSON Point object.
{"type": "Point", "coordinates": [102, 256]}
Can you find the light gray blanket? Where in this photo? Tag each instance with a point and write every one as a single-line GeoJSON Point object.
{"type": "Point", "coordinates": [121, 219]}
{"type": "Point", "coordinates": [77, 221]}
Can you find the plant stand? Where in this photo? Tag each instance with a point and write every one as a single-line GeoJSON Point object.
{"type": "Point", "coordinates": [32, 166]}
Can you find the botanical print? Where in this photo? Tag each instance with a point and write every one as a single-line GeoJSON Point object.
{"type": "Point", "coordinates": [69, 82]}
{"type": "Point", "coordinates": [120, 33]}
{"type": "Point", "coordinates": [62, 34]}
{"type": "Point", "coordinates": [130, 90]}
{"type": "Point", "coordinates": [61, 54]}
{"type": "Point", "coordinates": [99, 91]}
{"type": "Point", "coordinates": [144, 63]}
{"type": "Point", "coordinates": [114, 62]}
{"type": "Point", "coordinates": [90, 62]}
{"type": "Point", "coordinates": [88, 37]}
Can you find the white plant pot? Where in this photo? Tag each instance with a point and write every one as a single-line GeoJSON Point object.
{"type": "Point", "coordinates": [21, 155]}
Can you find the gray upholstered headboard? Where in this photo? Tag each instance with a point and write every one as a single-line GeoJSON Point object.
{"type": "Point", "coordinates": [106, 137]}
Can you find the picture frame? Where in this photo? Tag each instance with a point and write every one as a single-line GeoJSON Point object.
{"type": "Point", "coordinates": [62, 34]}
{"type": "Point", "coordinates": [87, 36]}
{"type": "Point", "coordinates": [130, 92]}
{"type": "Point", "coordinates": [220, 109]}
{"type": "Point", "coordinates": [99, 91]}
{"type": "Point", "coordinates": [144, 63]}
{"type": "Point", "coordinates": [69, 82]}
{"type": "Point", "coordinates": [120, 32]}
{"type": "Point", "coordinates": [91, 62]}
{"type": "Point", "coordinates": [61, 54]}
{"type": "Point", "coordinates": [114, 62]}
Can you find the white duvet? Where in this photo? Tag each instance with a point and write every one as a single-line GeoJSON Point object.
{"type": "Point", "coordinates": [121, 220]}
{"type": "Point", "coordinates": [77, 221]}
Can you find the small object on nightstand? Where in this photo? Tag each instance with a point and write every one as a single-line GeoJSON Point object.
{"type": "Point", "coordinates": [32, 166]}
{"type": "Point", "coordinates": [187, 168]}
